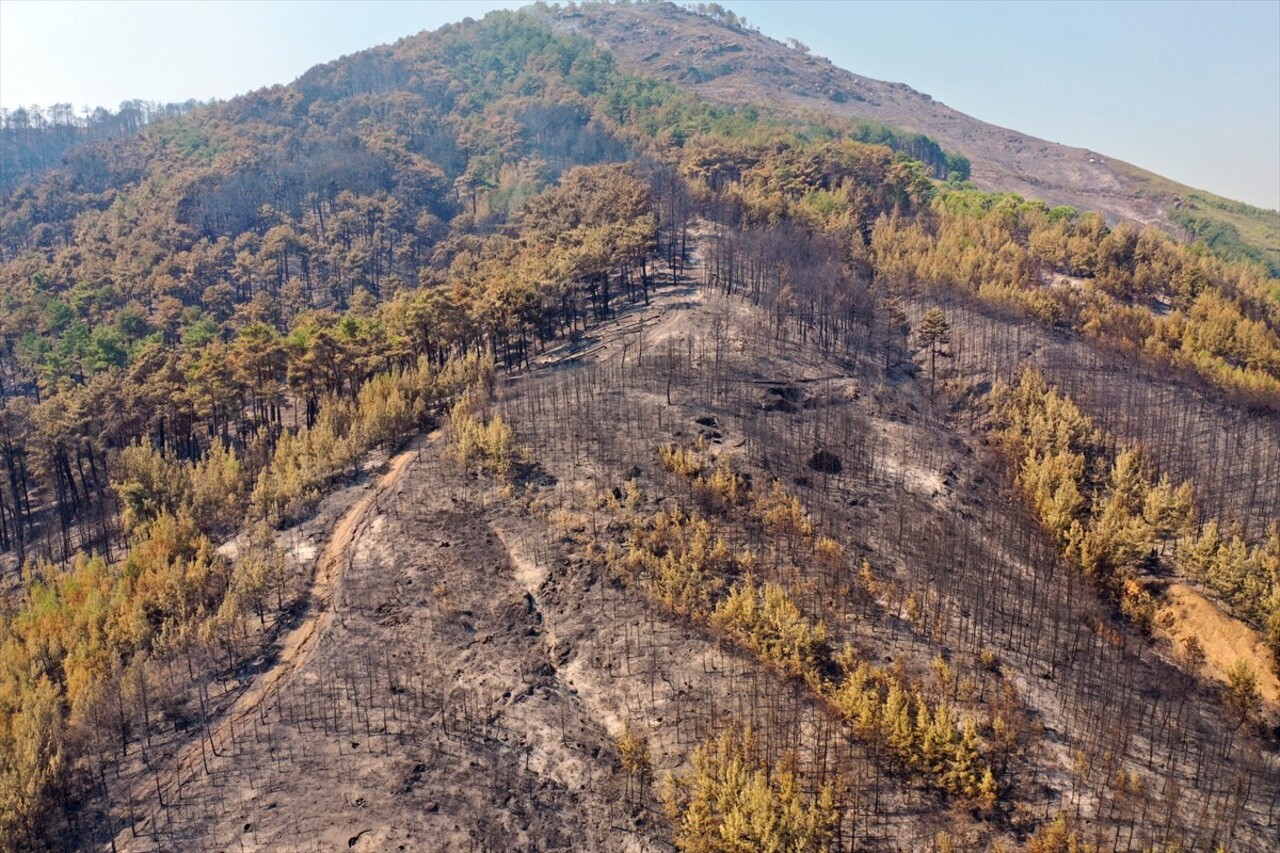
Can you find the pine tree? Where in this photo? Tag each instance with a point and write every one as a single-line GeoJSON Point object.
{"type": "Point", "coordinates": [1242, 697]}
{"type": "Point", "coordinates": [933, 333]}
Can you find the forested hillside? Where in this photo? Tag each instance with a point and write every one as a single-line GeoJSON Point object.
{"type": "Point", "coordinates": [35, 139]}
{"type": "Point", "coordinates": [749, 482]}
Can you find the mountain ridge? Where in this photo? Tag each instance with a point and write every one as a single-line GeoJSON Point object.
{"type": "Point", "coordinates": [731, 64]}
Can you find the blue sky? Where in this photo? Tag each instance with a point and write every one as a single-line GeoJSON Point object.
{"type": "Point", "coordinates": [1190, 90]}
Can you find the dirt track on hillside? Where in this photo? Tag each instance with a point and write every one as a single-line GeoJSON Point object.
{"type": "Point", "coordinates": [296, 646]}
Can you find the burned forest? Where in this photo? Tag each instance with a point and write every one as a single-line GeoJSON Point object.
{"type": "Point", "coordinates": [482, 443]}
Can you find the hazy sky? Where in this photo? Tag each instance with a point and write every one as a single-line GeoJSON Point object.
{"type": "Point", "coordinates": [1190, 90]}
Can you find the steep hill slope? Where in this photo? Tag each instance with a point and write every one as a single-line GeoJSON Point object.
{"type": "Point", "coordinates": [489, 644]}
{"type": "Point", "coordinates": [735, 66]}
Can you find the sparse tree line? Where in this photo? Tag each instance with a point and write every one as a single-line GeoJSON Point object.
{"type": "Point", "coordinates": [480, 442]}
{"type": "Point", "coordinates": [34, 139]}
{"type": "Point", "coordinates": [733, 799]}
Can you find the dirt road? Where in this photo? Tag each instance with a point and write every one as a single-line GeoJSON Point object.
{"type": "Point", "coordinates": [296, 646]}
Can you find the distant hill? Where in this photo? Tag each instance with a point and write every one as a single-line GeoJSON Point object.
{"type": "Point", "coordinates": [724, 62]}
{"type": "Point", "coordinates": [34, 139]}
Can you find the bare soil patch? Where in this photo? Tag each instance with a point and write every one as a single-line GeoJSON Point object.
{"type": "Point", "coordinates": [1185, 612]}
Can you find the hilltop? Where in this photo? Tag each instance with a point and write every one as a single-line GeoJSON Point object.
{"type": "Point", "coordinates": [726, 63]}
